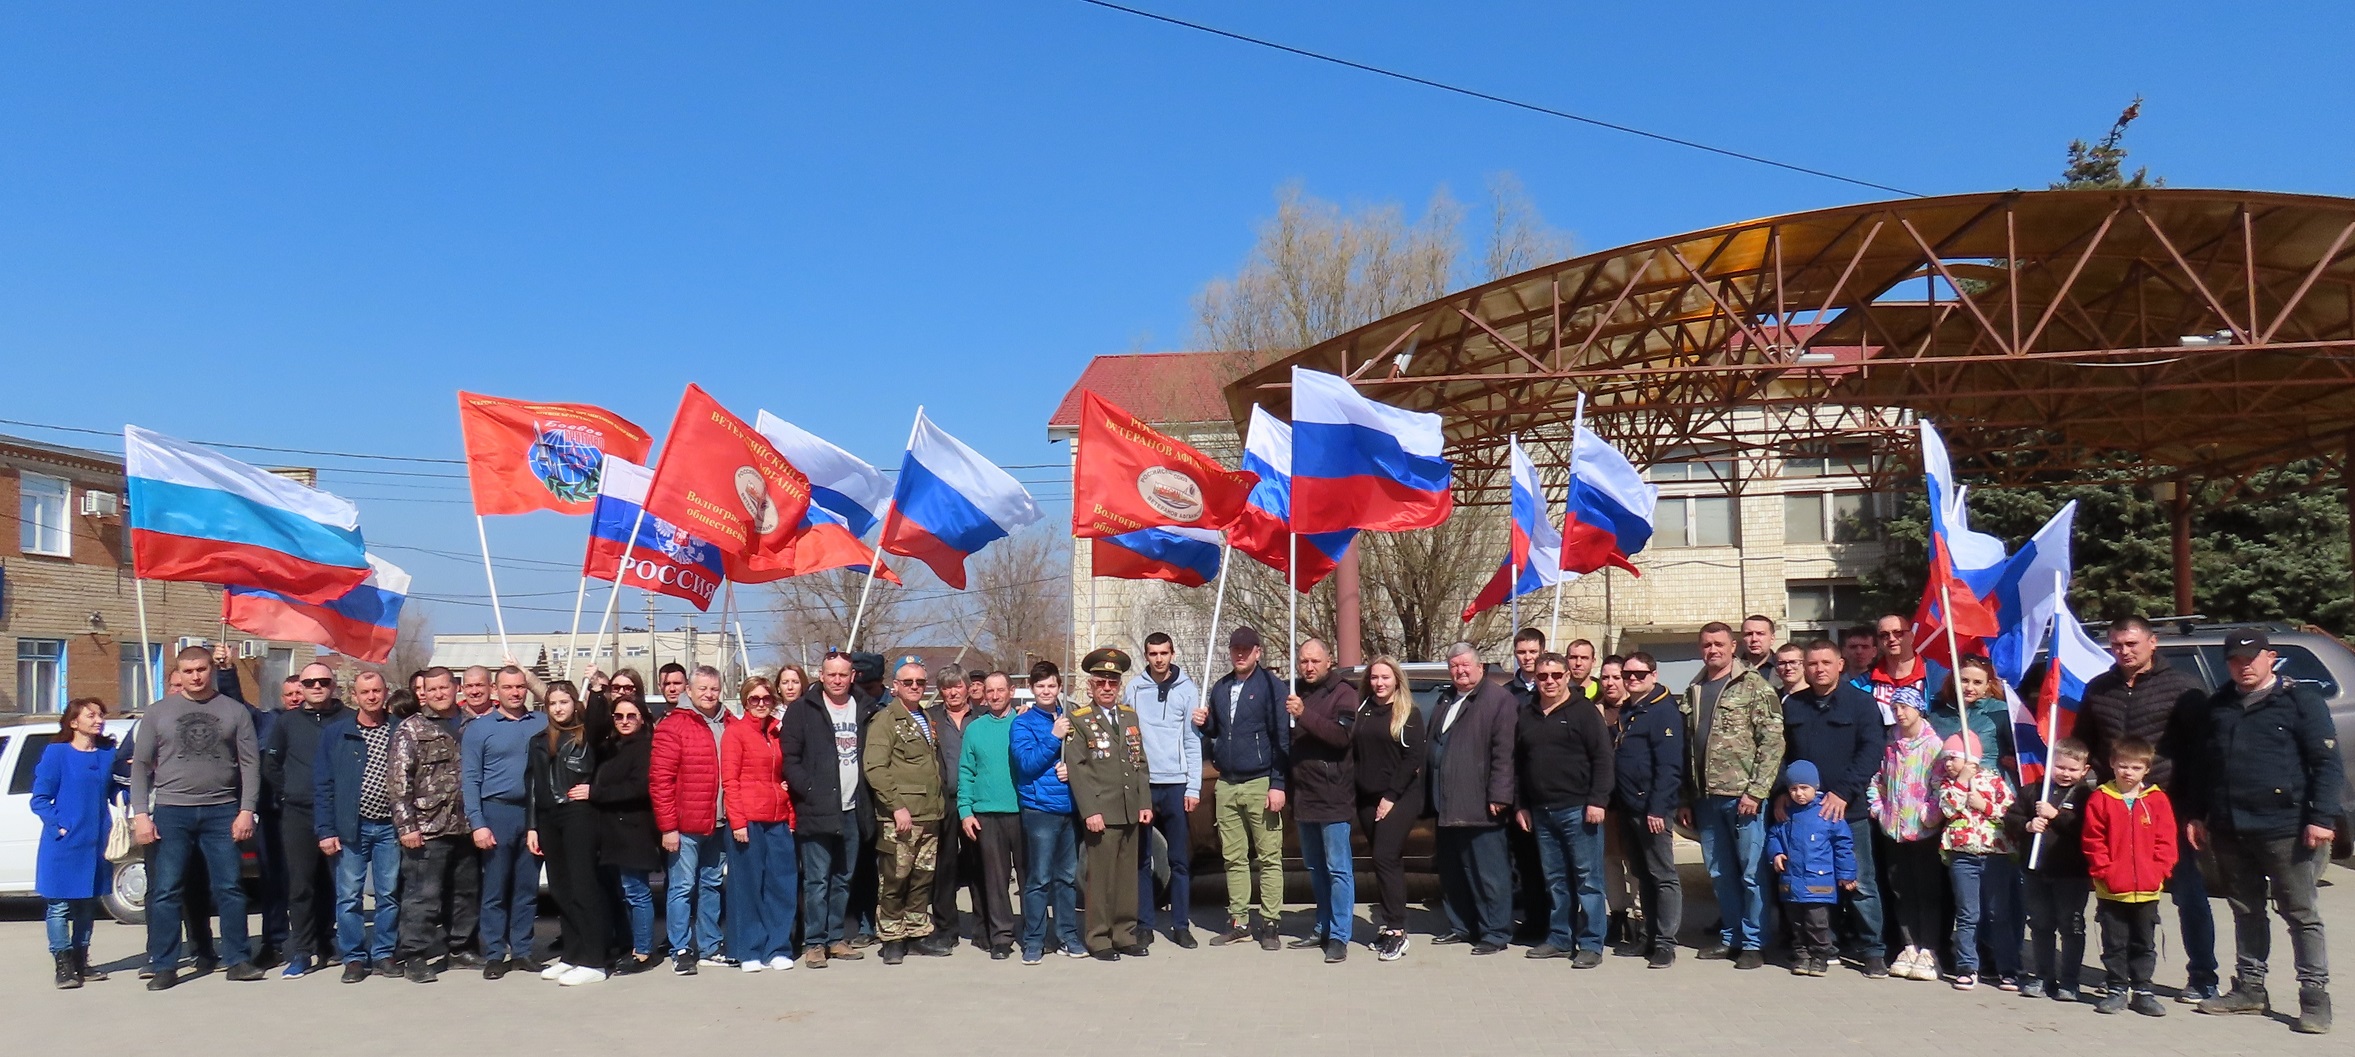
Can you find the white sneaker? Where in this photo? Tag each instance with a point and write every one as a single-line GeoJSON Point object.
{"type": "Point", "coordinates": [555, 971]}
{"type": "Point", "coordinates": [780, 963]}
{"type": "Point", "coordinates": [574, 976]}
{"type": "Point", "coordinates": [753, 965]}
{"type": "Point", "coordinates": [1902, 968]}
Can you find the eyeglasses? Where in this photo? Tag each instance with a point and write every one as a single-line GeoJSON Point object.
{"type": "Point", "coordinates": [1636, 673]}
{"type": "Point", "coordinates": [913, 682]}
{"type": "Point", "coordinates": [626, 717]}
{"type": "Point", "coordinates": [1552, 677]}
{"type": "Point", "coordinates": [317, 683]}
{"type": "Point", "coordinates": [760, 699]}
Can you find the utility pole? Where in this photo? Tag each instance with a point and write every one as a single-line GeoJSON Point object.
{"type": "Point", "coordinates": [653, 663]}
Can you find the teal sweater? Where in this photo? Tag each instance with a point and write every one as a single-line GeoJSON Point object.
{"type": "Point", "coordinates": [985, 769]}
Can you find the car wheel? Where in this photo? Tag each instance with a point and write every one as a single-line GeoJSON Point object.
{"type": "Point", "coordinates": [126, 898]}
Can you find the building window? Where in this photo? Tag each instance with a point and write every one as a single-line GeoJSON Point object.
{"type": "Point", "coordinates": [1702, 470]}
{"type": "Point", "coordinates": [40, 674]}
{"type": "Point", "coordinates": [134, 686]}
{"type": "Point", "coordinates": [1827, 465]}
{"type": "Point", "coordinates": [1823, 604]}
{"type": "Point", "coordinates": [1695, 521]}
{"type": "Point", "coordinates": [277, 664]}
{"type": "Point", "coordinates": [633, 651]}
{"type": "Point", "coordinates": [40, 512]}
{"type": "Point", "coordinates": [1829, 517]}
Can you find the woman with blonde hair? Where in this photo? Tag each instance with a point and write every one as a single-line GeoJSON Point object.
{"type": "Point", "coordinates": [1391, 751]}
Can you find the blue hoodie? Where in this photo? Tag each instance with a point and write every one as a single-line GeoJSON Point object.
{"type": "Point", "coordinates": [1036, 752]}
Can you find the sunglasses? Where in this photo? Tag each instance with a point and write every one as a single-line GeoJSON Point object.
{"type": "Point", "coordinates": [1552, 677]}
{"type": "Point", "coordinates": [760, 699]}
{"type": "Point", "coordinates": [627, 717]}
{"type": "Point", "coordinates": [1890, 634]}
{"type": "Point", "coordinates": [1636, 673]}
{"type": "Point", "coordinates": [913, 682]}
{"type": "Point", "coordinates": [317, 683]}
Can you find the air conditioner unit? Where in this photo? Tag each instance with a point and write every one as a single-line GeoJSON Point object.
{"type": "Point", "coordinates": [101, 504]}
{"type": "Point", "coordinates": [252, 648]}
{"type": "Point", "coordinates": [185, 641]}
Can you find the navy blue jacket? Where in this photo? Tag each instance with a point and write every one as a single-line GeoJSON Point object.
{"type": "Point", "coordinates": [1253, 739]}
{"type": "Point", "coordinates": [2268, 770]}
{"type": "Point", "coordinates": [1648, 770]}
{"type": "Point", "coordinates": [335, 778]}
{"type": "Point", "coordinates": [1841, 735]}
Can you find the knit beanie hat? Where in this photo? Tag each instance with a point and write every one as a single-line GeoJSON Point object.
{"type": "Point", "coordinates": [1801, 772]}
{"type": "Point", "coordinates": [1964, 744]}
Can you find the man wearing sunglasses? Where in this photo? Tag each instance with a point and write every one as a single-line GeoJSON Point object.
{"type": "Point", "coordinates": [1648, 778]}
{"type": "Point", "coordinates": [288, 757]}
{"type": "Point", "coordinates": [902, 763]}
{"type": "Point", "coordinates": [1898, 667]}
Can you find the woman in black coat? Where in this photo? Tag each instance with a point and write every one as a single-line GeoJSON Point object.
{"type": "Point", "coordinates": [563, 832]}
{"type": "Point", "coordinates": [628, 847]}
{"type": "Point", "coordinates": [1391, 751]}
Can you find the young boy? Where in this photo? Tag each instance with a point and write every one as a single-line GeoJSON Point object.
{"type": "Point", "coordinates": [2129, 851]}
{"type": "Point", "coordinates": [1973, 799]}
{"type": "Point", "coordinates": [2049, 837]}
{"type": "Point", "coordinates": [1816, 860]}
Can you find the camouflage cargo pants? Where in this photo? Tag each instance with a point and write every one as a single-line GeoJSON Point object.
{"type": "Point", "coordinates": [903, 875]}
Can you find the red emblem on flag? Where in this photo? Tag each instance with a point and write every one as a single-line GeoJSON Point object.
{"type": "Point", "coordinates": [726, 484]}
{"type": "Point", "coordinates": [1131, 476]}
{"type": "Point", "coordinates": [523, 456]}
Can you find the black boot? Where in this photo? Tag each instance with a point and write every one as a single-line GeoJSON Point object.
{"type": "Point", "coordinates": [82, 965]}
{"type": "Point", "coordinates": [67, 978]}
{"type": "Point", "coordinates": [2313, 1012]}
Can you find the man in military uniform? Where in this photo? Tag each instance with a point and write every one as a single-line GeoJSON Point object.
{"type": "Point", "coordinates": [1105, 756]}
{"type": "Point", "coordinates": [902, 765]}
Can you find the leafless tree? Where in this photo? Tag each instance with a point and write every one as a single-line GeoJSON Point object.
{"type": "Point", "coordinates": [1317, 270]}
{"type": "Point", "coordinates": [811, 614]}
{"type": "Point", "coordinates": [1020, 594]}
{"type": "Point", "coordinates": [412, 644]}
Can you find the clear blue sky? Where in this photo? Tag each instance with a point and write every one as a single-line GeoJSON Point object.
{"type": "Point", "coordinates": [308, 224]}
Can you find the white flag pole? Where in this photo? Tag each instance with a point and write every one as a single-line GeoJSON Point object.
{"type": "Point", "coordinates": [1512, 561]}
{"type": "Point", "coordinates": [155, 682]}
{"type": "Point", "coordinates": [572, 643]}
{"type": "Point", "coordinates": [613, 599]}
{"type": "Point", "coordinates": [2052, 724]}
{"type": "Point", "coordinates": [1292, 595]}
{"type": "Point", "coordinates": [1577, 421]}
{"type": "Point", "coordinates": [1226, 553]}
{"type": "Point", "coordinates": [492, 580]}
{"type": "Point", "coordinates": [859, 616]}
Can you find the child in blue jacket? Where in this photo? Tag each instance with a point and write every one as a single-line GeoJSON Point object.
{"type": "Point", "coordinates": [1816, 858]}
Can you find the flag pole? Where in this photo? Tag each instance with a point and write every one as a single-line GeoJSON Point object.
{"type": "Point", "coordinates": [491, 579]}
{"type": "Point", "coordinates": [2052, 723]}
{"type": "Point", "coordinates": [1226, 553]}
{"type": "Point", "coordinates": [890, 510]}
{"type": "Point", "coordinates": [613, 600]}
{"type": "Point", "coordinates": [155, 686]}
{"type": "Point", "coordinates": [572, 643]}
{"type": "Point", "coordinates": [1291, 594]}
{"type": "Point", "coordinates": [1512, 560]}
{"type": "Point", "coordinates": [1577, 419]}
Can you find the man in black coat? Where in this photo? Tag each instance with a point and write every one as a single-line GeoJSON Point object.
{"type": "Point", "coordinates": [1837, 727]}
{"type": "Point", "coordinates": [2259, 778]}
{"type": "Point", "coordinates": [1471, 771]}
{"type": "Point", "coordinates": [2142, 696]}
{"type": "Point", "coordinates": [1563, 760]}
{"type": "Point", "coordinates": [288, 756]}
{"type": "Point", "coordinates": [824, 738]}
{"type": "Point", "coordinates": [1647, 784]}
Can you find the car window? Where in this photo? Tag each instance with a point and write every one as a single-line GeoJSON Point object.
{"type": "Point", "coordinates": [2189, 659]}
{"type": "Point", "coordinates": [2299, 664]}
{"type": "Point", "coordinates": [28, 756]}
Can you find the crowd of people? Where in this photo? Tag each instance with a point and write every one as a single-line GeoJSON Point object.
{"type": "Point", "coordinates": [1850, 799]}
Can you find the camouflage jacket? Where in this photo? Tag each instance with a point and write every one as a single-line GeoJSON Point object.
{"type": "Point", "coordinates": [1744, 756]}
{"type": "Point", "coordinates": [902, 764]}
{"type": "Point", "coordinates": [422, 780]}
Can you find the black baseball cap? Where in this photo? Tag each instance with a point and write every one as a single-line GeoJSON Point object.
{"type": "Point", "coordinates": [2242, 643]}
{"type": "Point", "coordinates": [1244, 638]}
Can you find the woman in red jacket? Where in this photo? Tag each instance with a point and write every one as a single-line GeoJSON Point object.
{"type": "Point", "coordinates": [764, 882]}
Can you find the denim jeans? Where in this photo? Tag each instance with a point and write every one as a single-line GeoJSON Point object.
{"type": "Point", "coordinates": [70, 921]}
{"type": "Point", "coordinates": [764, 893]}
{"type": "Point", "coordinates": [2002, 915]}
{"type": "Point", "coordinates": [827, 862]}
{"type": "Point", "coordinates": [2188, 887]}
{"type": "Point", "coordinates": [180, 833]}
{"type": "Point", "coordinates": [692, 904]}
{"type": "Point", "coordinates": [1864, 904]}
{"type": "Point", "coordinates": [1169, 817]}
{"type": "Point", "coordinates": [637, 895]}
{"type": "Point", "coordinates": [510, 884]}
{"type": "Point", "coordinates": [1050, 880]}
{"type": "Point", "coordinates": [1570, 853]}
{"type": "Point", "coordinates": [374, 861]}
{"type": "Point", "coordinates": [1332, 876]}
{"type": "Point", "coordinates": [1732, 847]}
{"type": "Point", "coordinates": [2284, 871]}
{"type": "Point", "coordinates": [1964, 872]}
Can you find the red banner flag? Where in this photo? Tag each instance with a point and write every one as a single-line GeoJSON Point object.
{"type": "Point", "coordinates": [523, 456]}
{"type": "Point", "coordinates": [725, 483]}
{"type": "Point", "coordinates": [1131, 476]}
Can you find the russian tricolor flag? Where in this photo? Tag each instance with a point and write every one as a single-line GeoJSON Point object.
{"type": "Point", "coordinates": [1187, 557]}
{"type": "Point", "coordinates": [364, 624]}
{"type": "Point", "coordinates": [197, 515]}
{"type": "Point", "coordinates": [663, 558]}
{"type": "Point", "coordinates": [847, 498]}
{"type": "Point", "coordinates": [2075, 660]}
{"type": "Point", "coordinates": [1357, 464]}
{"type": "Point", "coordinates": [1963, 565]}
{"type": "Point", "coordinates": [1608, 518]}
{"type": "Point", "coordinates": [1263, 530]}
{"type": "Point", "coordinates": [1537, 548]}
{"type": "Point", "coordinates": [950, 503]}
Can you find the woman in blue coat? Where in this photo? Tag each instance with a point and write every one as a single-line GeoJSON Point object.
{"type": "Point", "coordinates": [70, 787]}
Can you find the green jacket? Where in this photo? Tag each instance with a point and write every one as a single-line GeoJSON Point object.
{"type": "Point", "coordinates": [985, 768]}
{"type": "Point", "coordinates": [1744, 755]}
{"type": "Point", "coordinates": [903, 766]}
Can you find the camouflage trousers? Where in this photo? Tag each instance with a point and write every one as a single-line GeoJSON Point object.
{"type": "Point", "coordinates": [903, 880]}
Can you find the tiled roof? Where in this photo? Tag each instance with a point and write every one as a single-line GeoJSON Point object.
{"type": "Point", "coordinates": [1159, 387]}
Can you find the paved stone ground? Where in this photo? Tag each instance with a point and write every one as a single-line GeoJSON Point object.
{"type": "Point", "coordinates": [1438, 1000]}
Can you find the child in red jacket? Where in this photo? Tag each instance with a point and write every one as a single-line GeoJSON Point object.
{"type": "Point", "coordinates": [2129, 853]}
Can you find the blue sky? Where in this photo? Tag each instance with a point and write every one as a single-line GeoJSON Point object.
{"type": "Point", "coordinates": [307, 225]}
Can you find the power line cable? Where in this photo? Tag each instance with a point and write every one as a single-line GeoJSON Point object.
{"type": "Point", "coordinates": [1493, 98]}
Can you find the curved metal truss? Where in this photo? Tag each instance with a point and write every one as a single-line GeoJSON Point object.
{"type": "Point", "coordinates": [2161, 334]}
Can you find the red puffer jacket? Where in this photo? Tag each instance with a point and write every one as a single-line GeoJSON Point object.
{"type": "Point", "coordinates": [2129, 848]}
{"type": "Point", "coordinates": [752, 770]}
{"type": "Point", "coordinates": [683, 778]}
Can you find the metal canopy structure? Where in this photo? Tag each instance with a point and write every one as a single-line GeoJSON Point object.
{"type": "Point", "coordinates": [2162, 333]}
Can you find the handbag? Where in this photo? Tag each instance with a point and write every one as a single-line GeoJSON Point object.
{"type": "Point", "coordinates": [121, 846]}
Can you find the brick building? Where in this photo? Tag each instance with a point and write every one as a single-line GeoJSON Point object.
{"type": "Point", "coordinates": [69, 612]}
